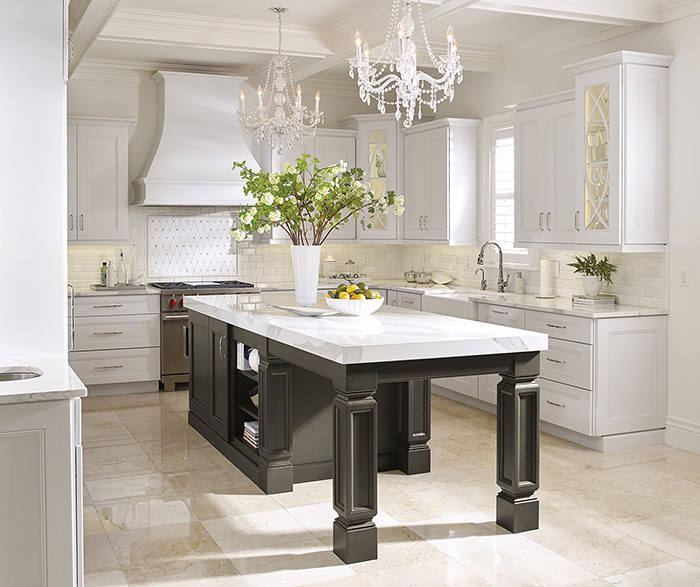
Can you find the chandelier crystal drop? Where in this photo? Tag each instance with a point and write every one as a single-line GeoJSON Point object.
{"type": "Point", "coordinates": [288, 125]}
{"type": "Point", "coordinates": [411, 86]}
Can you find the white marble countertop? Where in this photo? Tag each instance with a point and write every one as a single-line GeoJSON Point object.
{"type": "Point", "coordinates": [387, 335]}
{"type": "Point", "coordinates": [127, 291]}
{"type": "Point", "coordinates": [56, 382]}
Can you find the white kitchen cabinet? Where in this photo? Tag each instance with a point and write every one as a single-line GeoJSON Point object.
{"type": "Point", "coordinates": [544, 170]}
{"type": "Point", "coordinates": [376, 153]}
{"type": "Point", "coordinates": [98, 179]}
{"type": "Point", "coordinates": [330, 146]}
{"type": "Point", "coordinates": [621, 166]}
{"type": "Point", "coordinates": [412, 301]}
{"type": "Point", "coordinates": [41, 542]}
{"type": "Point", "coordinates": [117, 340]}
{"type": "Point", "coordinates": [440, 182]}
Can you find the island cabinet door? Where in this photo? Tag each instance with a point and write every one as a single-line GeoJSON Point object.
{"type": "Point", "coordinates": [200, 373]}
{"type": "Point", "coordinates": [220, 378]}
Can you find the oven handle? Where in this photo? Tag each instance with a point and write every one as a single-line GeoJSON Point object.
{"type": "Point", "coordinates": [178, 317]}
{"type": "Point", "coordinates": [187, 340]}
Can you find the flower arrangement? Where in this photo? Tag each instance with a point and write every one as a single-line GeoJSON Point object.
{"type": "Point", "coordinates": [308, 201]}
{"type": "Point", "coordinates": [589, 265]}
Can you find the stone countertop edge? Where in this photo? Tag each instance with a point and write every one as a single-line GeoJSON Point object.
{"type": "Point", "coordinates": [58, 380]}
{"type": "Point", "coordinates": [389, 334]}
{"type": "Point", "coordinates": [117, 292]}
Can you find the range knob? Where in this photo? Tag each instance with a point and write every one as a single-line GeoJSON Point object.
{"type": "Point", "coordinates": [181, 300]}
{"type": "Point", "coordinates": [172, 302]}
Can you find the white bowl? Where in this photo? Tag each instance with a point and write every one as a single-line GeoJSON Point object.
{"type": "Point", "coordinates": [440, 277]}
{"type": "Point", "coordinates": [355, 307]}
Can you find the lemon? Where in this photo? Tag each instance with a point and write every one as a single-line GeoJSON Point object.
{"type": "Point", "coordinates": [343, 295]}
{"type": "Point", "coordinates": [351, 288]}
{"type": "Point", "coordinates": [357, 296]}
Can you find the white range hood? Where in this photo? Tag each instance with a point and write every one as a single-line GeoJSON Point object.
{"type": "Point", "coordinates": [197, 139]}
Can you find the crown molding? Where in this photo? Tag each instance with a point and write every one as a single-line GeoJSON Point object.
{"type": "Point", "coordinates": [138, 72]}
{"type": "Point", "coordinates": [151, 27]}
{"type": "Point", "coordinates": [675, 9]}
{"type": "Point", "coordinates": [561, 39]}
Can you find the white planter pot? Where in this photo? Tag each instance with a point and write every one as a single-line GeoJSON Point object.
{"type": "Point", "coordinates": [591, 284]}
{"type": "Point", "coordinates": [305, 264]}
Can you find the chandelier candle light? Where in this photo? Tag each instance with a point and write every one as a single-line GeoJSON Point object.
{"type": "Point", "coordinates": [399, 53]}
{"type": "Point", "coordinates": [288, 125]}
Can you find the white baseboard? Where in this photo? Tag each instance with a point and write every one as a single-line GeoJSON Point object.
{"type": "Point", "coordinates": [123, 388]}
{"type": "Point", "coordinates": [463, 399]}
{"type": "Point", "coordinates": [683, 434]}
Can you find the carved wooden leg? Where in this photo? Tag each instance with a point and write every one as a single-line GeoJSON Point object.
{"type": "Point", "coordinates": [517, 509]}
{"type": "Point", "coordinates": [355, 475]}
{"type": "Point", "coordinates": [275, 472]}
{"type": "Point", "coordinates": [414, 427]}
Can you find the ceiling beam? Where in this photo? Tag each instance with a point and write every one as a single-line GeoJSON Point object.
{"type": "Point", "coordinates": [614, 12]}
{"type": "Point", "coordinates": [86, 20]}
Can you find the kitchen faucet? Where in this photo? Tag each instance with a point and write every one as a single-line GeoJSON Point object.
{"type": "Point", "coordinates": [484, 284]}
{"type": "Point", "coordinates": [502, 284]}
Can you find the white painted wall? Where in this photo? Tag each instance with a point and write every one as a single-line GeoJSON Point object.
{"type": "Point", "coordinates": [33, 171]}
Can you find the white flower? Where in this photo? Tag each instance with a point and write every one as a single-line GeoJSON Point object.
{"type": "Point", "coordinates": [264, 228]}
{"type": "Point", "coordinates": [268, 199]}
{"type": "Point", "coordinates": [279, 200]}
{"type": "Point", "coordinates": [275, 215]}
{"type": "Point", "coordinates": [287, 168]}
{"type": "Point", "coordinates": [246, 218]}
{"type": "Point", "coordinates": [292, 199]}
{"type": "Point", "coordinates": [275, 178]}
{"type": "Point", "coordinates": [398, 210]}
{"type": "Point", "coordinates": [398, 200]}
{"type": "Point", "coordinates": [318, 196]}
{"type": "Point", "coordinates": [238, 234]}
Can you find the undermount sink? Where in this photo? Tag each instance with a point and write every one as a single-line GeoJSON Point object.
{"type": "Point", "coordinates": [19, 373]}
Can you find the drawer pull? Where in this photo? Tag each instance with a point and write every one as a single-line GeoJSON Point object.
{"type": "Point", "coordinates": [555, 361]}
{"type": "Point", "coordinates": [555, 404]}
{"type": "Point", "coordinates": [109, 306]}
{"type": "Point", "coordinates": [499, 312]}
{"type": "Point", "coordinates": [110, 367]}
{"type": "Point", "coordinates": [548, 325]}
{"type": "Point", "coordinates": [108, 333]}
{"type": "Point", "coordinates": [407, 302]}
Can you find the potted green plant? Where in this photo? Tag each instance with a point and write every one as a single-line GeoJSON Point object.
{"type": "Point", "coordinates": [308, 202]}
{"type": "Point", "coordinates": [593, 272]}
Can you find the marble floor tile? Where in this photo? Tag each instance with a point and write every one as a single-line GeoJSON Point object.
{"type": "Point", "coordinates": [155, 428]}
{"type": "Point", "coordinates": [678, 534]}
{"type": "Point", "coordinates": [98, 554]}
{"type": "Point", "coordinates": [185, 457]}
{"type": "Point", "coordinates": [106, 579]}
{"type": "Point", "coordinates": [131, 515]}
{"type": "Point", "coordinates": [188, 571]}
{"type": "Point", "coordinates": [125, 488]}
{"type": "Point", "coordinates": [256, 530]}
{"type": "Point", "coordinates": [91, 521]}
{"type": "Point", "coordinates": [311, 493]}
{"type": "Point", "coordinates": [234, 502]}
{"type": "Point", "coordinates": [444, 572]}
{"type": "Point", "coordinates": [103, 425]}
{"type": "Point", "coordinates": [164, 544]}
{"type": "Point", "coordinates": [674, 574]}
{"type": "Point", "coordinates": [215, 479]}
{"type": "Point", "coordinates": [95, 404]}
{"type": "Point", "coordinates": [303, 562]}
{"type": "Point", "coordinates": [108, 462]}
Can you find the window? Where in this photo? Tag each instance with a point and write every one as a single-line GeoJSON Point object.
{"type": "Point", "coordinates": [501, 191]}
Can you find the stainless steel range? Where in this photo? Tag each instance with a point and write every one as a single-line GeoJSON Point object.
{"type": "Point", "coordinates": [174, 351]}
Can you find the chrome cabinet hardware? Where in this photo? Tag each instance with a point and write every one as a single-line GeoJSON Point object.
{"type": "Point", "coordinates": [81, 222]}
{"type": "Point", "coordinates": [108, 333]}
{"type": "Point", "coordinates": [499, 312]}
{"type": "Point", "coordinates": [187, 340]}
{"type": "Point", "coordinates": [71, 222]}
{"type": "Point", "coordinates": [111, 367]}
{"type": "Point", "coordinates": [576, 226]}
{"type": "Point", "coordinates": [560, 326]}
{"type": "Point", "coordinates": [555, 404]}
{"type": "Point", "coordinates": [551, 360]}
{"type": "Point", "coordinates": [549, 217]}
{"type": "Point", "coordinates": [72, 314]}
{"type": "Point", "coordinates": [109, 306]}
{"type": "Point", "coordinates": [177, 317]}
{"type": "Point", "coordinates": [221, 347]}
{"type": "Point", "coordinates": [539, 220]}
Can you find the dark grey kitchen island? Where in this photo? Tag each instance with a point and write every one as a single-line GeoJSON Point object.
{"type": "Point", "coordinates": [358, 388]}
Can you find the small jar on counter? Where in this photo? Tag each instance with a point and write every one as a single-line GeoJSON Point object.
{"type": "Point", "coordinates": [519, 283]}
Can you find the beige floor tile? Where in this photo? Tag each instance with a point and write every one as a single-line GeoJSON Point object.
{"type": "Point", "coordinates": [674, 574]}
{"type": "Point", "coordinates": [215, 479]}
{"type": "Point", "coordinates": [678, 535]}
{"type": "Point", "coordinates": [164, 425]}
{"type": "Point", "coordinates": [135, 514]}
{"type": "Point", "coordinates": [182, 457]}
{"type": "Point", "coordinates": [94, 404]}
{"type": "Point", "coordinates": [445, 572]}
{"type": "Point", "coordinates": [133, 400]}
{"type": "Point", "coordinates": [103, 425]}
{"type": "Point", "coordinates": [234, 502]}
{"type": "Point", "coordinates": [303, 494]}
{"type": "Point", "coordinates": [91, 521]}
{"type": "Point", "coordinates": [164, 544]}
{"type": "Point", "coordinates": [125, 488]}
{"type": "Point", "coordinates": [188, 572]}
{"type": "Point", "coordinates": [106, 579]}
{"type": "Point", "coordinates": [98, 554]}
{"type": "Point", "coordinates": [108, 462]}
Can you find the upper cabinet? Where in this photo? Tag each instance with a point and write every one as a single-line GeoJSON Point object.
{"type": "Point", "coordinates": [544, 170]}
{"type": "Point", "coordinates": [621, 170]}
{"type": "Point", "coordinates": [98, 180]}
{"type": "Point", "coordinates": [376, 154]}
{"type": "Point", "coordinates": [440, 182]}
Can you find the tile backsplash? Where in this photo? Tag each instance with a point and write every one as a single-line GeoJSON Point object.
{"type": "Point", "coordinates": [641, 279]}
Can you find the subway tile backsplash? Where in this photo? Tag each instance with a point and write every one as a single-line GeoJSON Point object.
{"type": "Point", "coordinates": [642, 278]}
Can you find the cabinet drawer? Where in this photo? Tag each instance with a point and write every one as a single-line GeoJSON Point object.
{"type": "Point", "coordinates": [120, 366]}
{"type": "Point", "coordinates": [571, 328]}
{"type": "Point", "coordinates": [566, 406]}
{"type": "Point", "coordinates": [409, 300]}
{"type": "Point", "coordinates": [116, 332]}
{"type": "Point", "coordinates": [513, 317]}
{"type": "Point", "coordinates": [568, 362]}
{"type": "Point", "coordinates": [117, 305]}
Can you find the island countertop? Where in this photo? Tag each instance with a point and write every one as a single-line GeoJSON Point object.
{"type": "Point", "coordinates": [57, 381]}
{"type": "Point", "coordinates": [389, 334]}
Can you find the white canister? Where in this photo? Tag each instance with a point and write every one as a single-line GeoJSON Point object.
{"type": "Point", "coordinates": [519, 283]}
{"type": "Point", "coordinates": [110, 274]}
{"type": "Point", "coordinates": [329, 266]}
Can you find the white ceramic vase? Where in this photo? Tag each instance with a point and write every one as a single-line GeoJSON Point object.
{"type": "Point", "coordinates": [591, 284]}
{"type": "Point", "coordinates": [305, 264]}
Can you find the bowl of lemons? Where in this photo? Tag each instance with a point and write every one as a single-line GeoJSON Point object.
{"type": "Point", "coordinates": [355, 299]}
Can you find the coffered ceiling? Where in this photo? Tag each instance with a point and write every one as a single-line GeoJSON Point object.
{"type": "Point", "coordinates": [238, 36]}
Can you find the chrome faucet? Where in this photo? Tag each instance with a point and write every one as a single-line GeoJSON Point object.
{"type": "Point", "coordinates": [483, 285]}
{"type": "Point", "coordinates": [502, 284]}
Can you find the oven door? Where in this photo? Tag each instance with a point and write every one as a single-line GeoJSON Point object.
{"type": "Point", "coordinates": [174, 352]}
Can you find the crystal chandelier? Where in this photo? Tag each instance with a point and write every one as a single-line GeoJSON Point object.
{"type": "Point", "coordinates": [287, 126]}
{"type": "Point", "coordinates": [399, 53]}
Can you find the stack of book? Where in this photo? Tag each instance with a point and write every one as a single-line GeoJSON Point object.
{"type": "Point", "coordinates": [592, 302]}
{"type": "Point", "coordinates": [251, 433]}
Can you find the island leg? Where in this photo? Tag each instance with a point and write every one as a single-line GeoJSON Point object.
{"type": "Point", "coordinates": [413, 451]}
{"type": "Point", "coordinates": [275, 472]}
{"type": "Point", "coordinates": [518, 445]}
{"type": "Point", "coordinates": [355, 475]}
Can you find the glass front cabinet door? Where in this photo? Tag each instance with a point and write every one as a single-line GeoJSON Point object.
{"type": "Point", "coordinates": [376, 154]}
{"type": "Point", "coordinates": [621, 168]}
